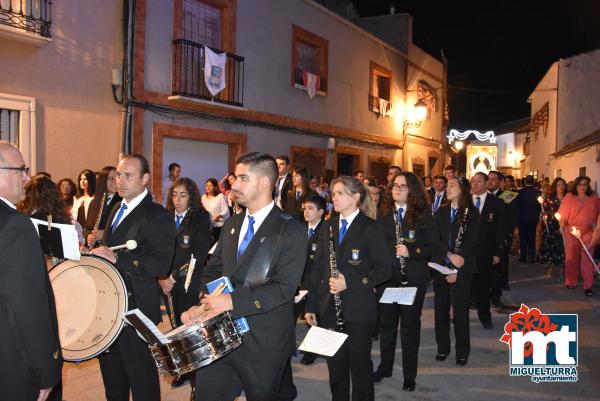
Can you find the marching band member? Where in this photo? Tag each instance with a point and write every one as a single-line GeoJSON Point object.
{"type": "Point", "coordinates": [129, 365]}
{"type": "Point", "coordinates": [411, 236]}
{"type": "Point", "coordinates": [263, 293]}
{"type": "Point", "coordinates": [351, 260]}
{"type": "Point", "coordinates": [453, 290]}
{"type": "Point", "coordinates": [298, 194]}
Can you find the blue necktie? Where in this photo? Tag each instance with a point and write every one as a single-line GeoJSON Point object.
{"type": "Point", "coordinates": [436, 204]}
{"type": "Point", "coordinates": [400, 219]}
{"type": "Point", "coordinates": [477, 202]}
{"type": "Point", "coordinates": [298, 196]}
{"type": "Point", "coordinates": [343, 230]}
{"type": "Point", "coordinates": [277, 187]}
{"type": "Point", "coordinates": [453, 213]}
{"type": "Point", "coordinates": [247, 237]}
{"type": "Point", "coordinates": [119, 217]}
{"type": "Point", "coordinates": [178, 220]}
{"type": "Point", "coordinates": [311, 232]}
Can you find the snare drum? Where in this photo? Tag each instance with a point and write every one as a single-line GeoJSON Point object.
{"type": "Point", "coordinates": [91, 299]}
{"type": "Point", "coordinates": [193, 347]}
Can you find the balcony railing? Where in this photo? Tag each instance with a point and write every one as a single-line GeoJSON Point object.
{"type": "Point", "coordinates": [30, 15]}
{"type": "Point", "coordinates": [188, 74]}
{"type": "Point", "coordinates": [322, 81]}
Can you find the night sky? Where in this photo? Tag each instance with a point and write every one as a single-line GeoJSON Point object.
{"type": "Point", "coordinates": [497, 51]}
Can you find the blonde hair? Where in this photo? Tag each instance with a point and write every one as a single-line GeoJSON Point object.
{"type": "Point", "coordinates": [354, 186]}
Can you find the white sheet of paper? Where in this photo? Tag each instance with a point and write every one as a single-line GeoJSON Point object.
{"type": "Point", "coordinates": [188, 277]}
{"type": "Point", "coordinates": [212, 250]}
{"type": "Point", "coordinates": [399, 295]}
{"type": "Point", "coordinates": [149, 325]}
{"type": "Point", "coordinates": [322, 341]}
{"type": "Point", "coordinates": [301, 294]}
{"type": "Point", "coordinates": [68, 235]}
{"type": "Point", "coordinates": [441, 269]}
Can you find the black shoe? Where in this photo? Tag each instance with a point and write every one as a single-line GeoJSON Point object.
{"type": "Point", "coordinates": [588, 292]}
{"type": "Point", "coordinates": [462, 361]}
{"type": "Point", "coordinates": [441, 357]}
{"type": "Point", "coordinates": [308, 358]}
{"type": "Point", "coordinates": [506, 288]}
{"type": "Point", "coordinates": [487, 325]}
{"type": "Point", "coordinates": [498, 303]}
{"type": "Point", "coordinates": [409, 385]}
{"type": "Point", "coordinates": [378, 376]}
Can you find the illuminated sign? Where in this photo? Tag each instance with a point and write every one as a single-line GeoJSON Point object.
{"type": "Point", "coordinates": [481, 136]}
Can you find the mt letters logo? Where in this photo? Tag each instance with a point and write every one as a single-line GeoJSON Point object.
{"type": "Point", "coordinates": [542, 346]}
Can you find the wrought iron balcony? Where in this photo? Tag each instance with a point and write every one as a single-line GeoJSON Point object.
{"type": "Point", "coordinates": [188, 74]}
{"type": "Point", "coordinates": [29, 15]}
{"type": "Point", "coordinates": [300, 81]}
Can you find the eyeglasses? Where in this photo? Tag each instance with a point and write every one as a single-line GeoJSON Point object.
{"type": "Point", "coordinates": [402, 187]}
{"type": "Point", "coordinates": [24, 170]}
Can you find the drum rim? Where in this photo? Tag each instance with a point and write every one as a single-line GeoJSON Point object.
{"type": "Point", "coordinates": [120, 321]}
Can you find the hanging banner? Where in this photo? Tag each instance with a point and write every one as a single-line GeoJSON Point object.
{"type": "Point", "coordinates": [214, 70]}
{"type": "Point", "coordinates": [311, 83]}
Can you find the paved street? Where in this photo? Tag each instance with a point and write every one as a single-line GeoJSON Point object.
{"type": "Point", "coordinates": [485, 377]}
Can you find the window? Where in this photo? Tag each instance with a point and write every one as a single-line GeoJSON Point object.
{"type": "Point", "coordinates": [9, 126]}
{"type": "Point", "coordinates": [559, 173]}
{"type": "Point", "coordinates": [419, 170]}
{"type": "Point", "coordinates": [582, 172]}
{"type": "Point", "coordinates": [312, 159]}
{"type": "Point", "coordinates": [380, 89]}
{"type": "Point", "coordinates": [379, 168]}
{"type": "Point", "coordinates": [201, 23]}
{"type": "Point", "coordinates": [309, 55]}
{"type": "Point", "coordinates": [431, 165]}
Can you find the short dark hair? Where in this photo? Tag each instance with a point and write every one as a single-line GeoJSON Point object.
{"type": "Point", "coordinates": [108, 169]}
{"type": "Point", "coordinates": [282, 157]}
{"type": "Point", "coordinates": [509, 177]}
{"type": "Point", "coordinates": [481, 173]}
{"type": "Point", "coordinates": [172, 166]}
{"type": "Point", "coordinates": [263, 163]}
{"type": "Point", "coordinates": [449, 167]}
{"type": "Point", "coordinates": [441, 177]}
{"type": "Point", "coordinates": [144, 166]}
{"type": "Point", "coordinates": [397, 168]}
{"type": "Point", "coordinates": [359, 172]}
{"type": "Point", "coordinates": [528, 180]}
{"type": "Point", "coordinates": [498, 174]}
{"type": "Point", "coordinates": [317, 200]}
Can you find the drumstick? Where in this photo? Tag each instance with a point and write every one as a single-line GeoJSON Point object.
{"type": "Point", "coordinates": [130, 245]}
{"type": "Point", "coordinates": [218, 291]}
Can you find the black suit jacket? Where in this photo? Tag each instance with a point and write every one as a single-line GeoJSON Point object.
{"type": "Point", "coordinates": [491, 236]}
{"type": "Point", "coordinates": [422, 244]}
{"type": "Point", "coordinates": [313, 244]}
{"type": "Point", "coordinates": [267, 307]}
{"type": "Point", "coordinates": [293, 207]}
{"type": "Point", "coordinates": [512, 215]}
{"type": "Point", "coordinates": [529, 207]}
{"type": "Point", "coordinates": [442, 202]}
{"type": "Point", "coordinates": [106, 211]}
{"type": "Point", "coordinates": [469, 239]}
{"type": "Point", "coordinates": [364, 261]}
{"type": "Point", "coordinates": [154, 230]}
{"type": "Point", "coordinates": [285, 188]}
{"type": "Point", "coordinates": [30, 356]}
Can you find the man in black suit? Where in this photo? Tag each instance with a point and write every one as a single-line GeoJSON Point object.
{"type": "Point", "coordinates": [529, 215]}
{"type": "Point", "coordinates": [263, 252]}
{"type": "Point", "coordinates": [284, 183]}
{"type": "Point", "coordinates": [438, 198]}
{"type": "Point", "coordinates": [489, 246]}
{"type": "Point", "coordinates": [112, 199]}
{"type": "Point", "coordinates": [30, 359]}
{"type": "Point", "coordinates": [129, 365]}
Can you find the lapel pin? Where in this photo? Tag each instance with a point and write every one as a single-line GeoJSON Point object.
{"type": "Point", "coordinates": [232, 231]}
{"type": "Point", "coordinates": [262, 239]}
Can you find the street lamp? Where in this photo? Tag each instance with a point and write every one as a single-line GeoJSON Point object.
{"type": "Point", "coordinates": [414, 118]}
{"type": "Point", "coordinates": [458, 145]}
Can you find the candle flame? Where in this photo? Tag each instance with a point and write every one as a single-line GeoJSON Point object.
{"type": "Point", "coordinates": [557, 216]}
{"type": "Point", "coordinates": [540, 199]}
{"type": "Point", "coordinates": [575, 232]}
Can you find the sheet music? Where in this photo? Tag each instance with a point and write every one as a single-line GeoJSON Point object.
{"type": "Point", "coordinates": [300, 296]}
{"type": "Point", "coordinates": [399, 295]}
{"type": "Point", "coordinates": [188, 277]}
{"type": "Point", "coordinates": [322, 341]}
{"type": "Point", "coordinates": [441, 269]}
{"type": "Point", "coordinates": [144, 326]}
{"type": "Point", "coordinates": [68, 235]}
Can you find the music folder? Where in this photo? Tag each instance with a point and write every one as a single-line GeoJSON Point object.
{"type": "Point", "coordinates": [399, 295]}
{"type": "Point", "coordinates": [322, 341]}
{"type": "Point", "coordinates": [145, 328]}
{"type": "Point", "coordinates": [58, 240]}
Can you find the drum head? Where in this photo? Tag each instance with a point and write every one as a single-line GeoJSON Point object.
{"type": "Point", "coordinates": [91, 299]}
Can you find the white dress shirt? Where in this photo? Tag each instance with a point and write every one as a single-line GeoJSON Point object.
{"type": "Point", "coordinates": [9, 203]}
{"type": "Point", "coordinates": [349, 219]}
{"type": "Point", "coordinates": [259, 217]}
{"type": "Point", "coordinates": [481, 200]}
{"type": "Point", "coordinates": [130, 206]}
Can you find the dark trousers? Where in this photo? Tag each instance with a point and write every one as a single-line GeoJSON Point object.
{"type": "Point", "coordinates": [409, 317]}
{"type": "Point", "coordinates": [482, 283]}
{"type": "Point", "coordinates": [224, 379]}
{"type": "Point", "coordinates": [457, 296]}
{"type": "Point", "coordinates": [527, 240]}
{"type": "Point", "coordinates": [129, 366]}
{"type": "Point", "coordinates": [287, 390]}
{"type": "Point", "coordinates": [352, 361]}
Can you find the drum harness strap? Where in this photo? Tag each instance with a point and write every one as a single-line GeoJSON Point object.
{"type": "Point", "coordinates": [263, 259]}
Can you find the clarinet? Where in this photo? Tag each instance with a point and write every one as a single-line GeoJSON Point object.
{"type": "Point", "coordinates": [334, 273]}
{"type": "Point", "coordinates": [459, 237]}
{"type": "Point", "coordinates": [400, 259]}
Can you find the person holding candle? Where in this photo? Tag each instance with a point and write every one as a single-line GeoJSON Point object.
{"type": "Point", "coordinates": [579, 210]}
{"type": "Point", "coordinates": [552, 251]}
